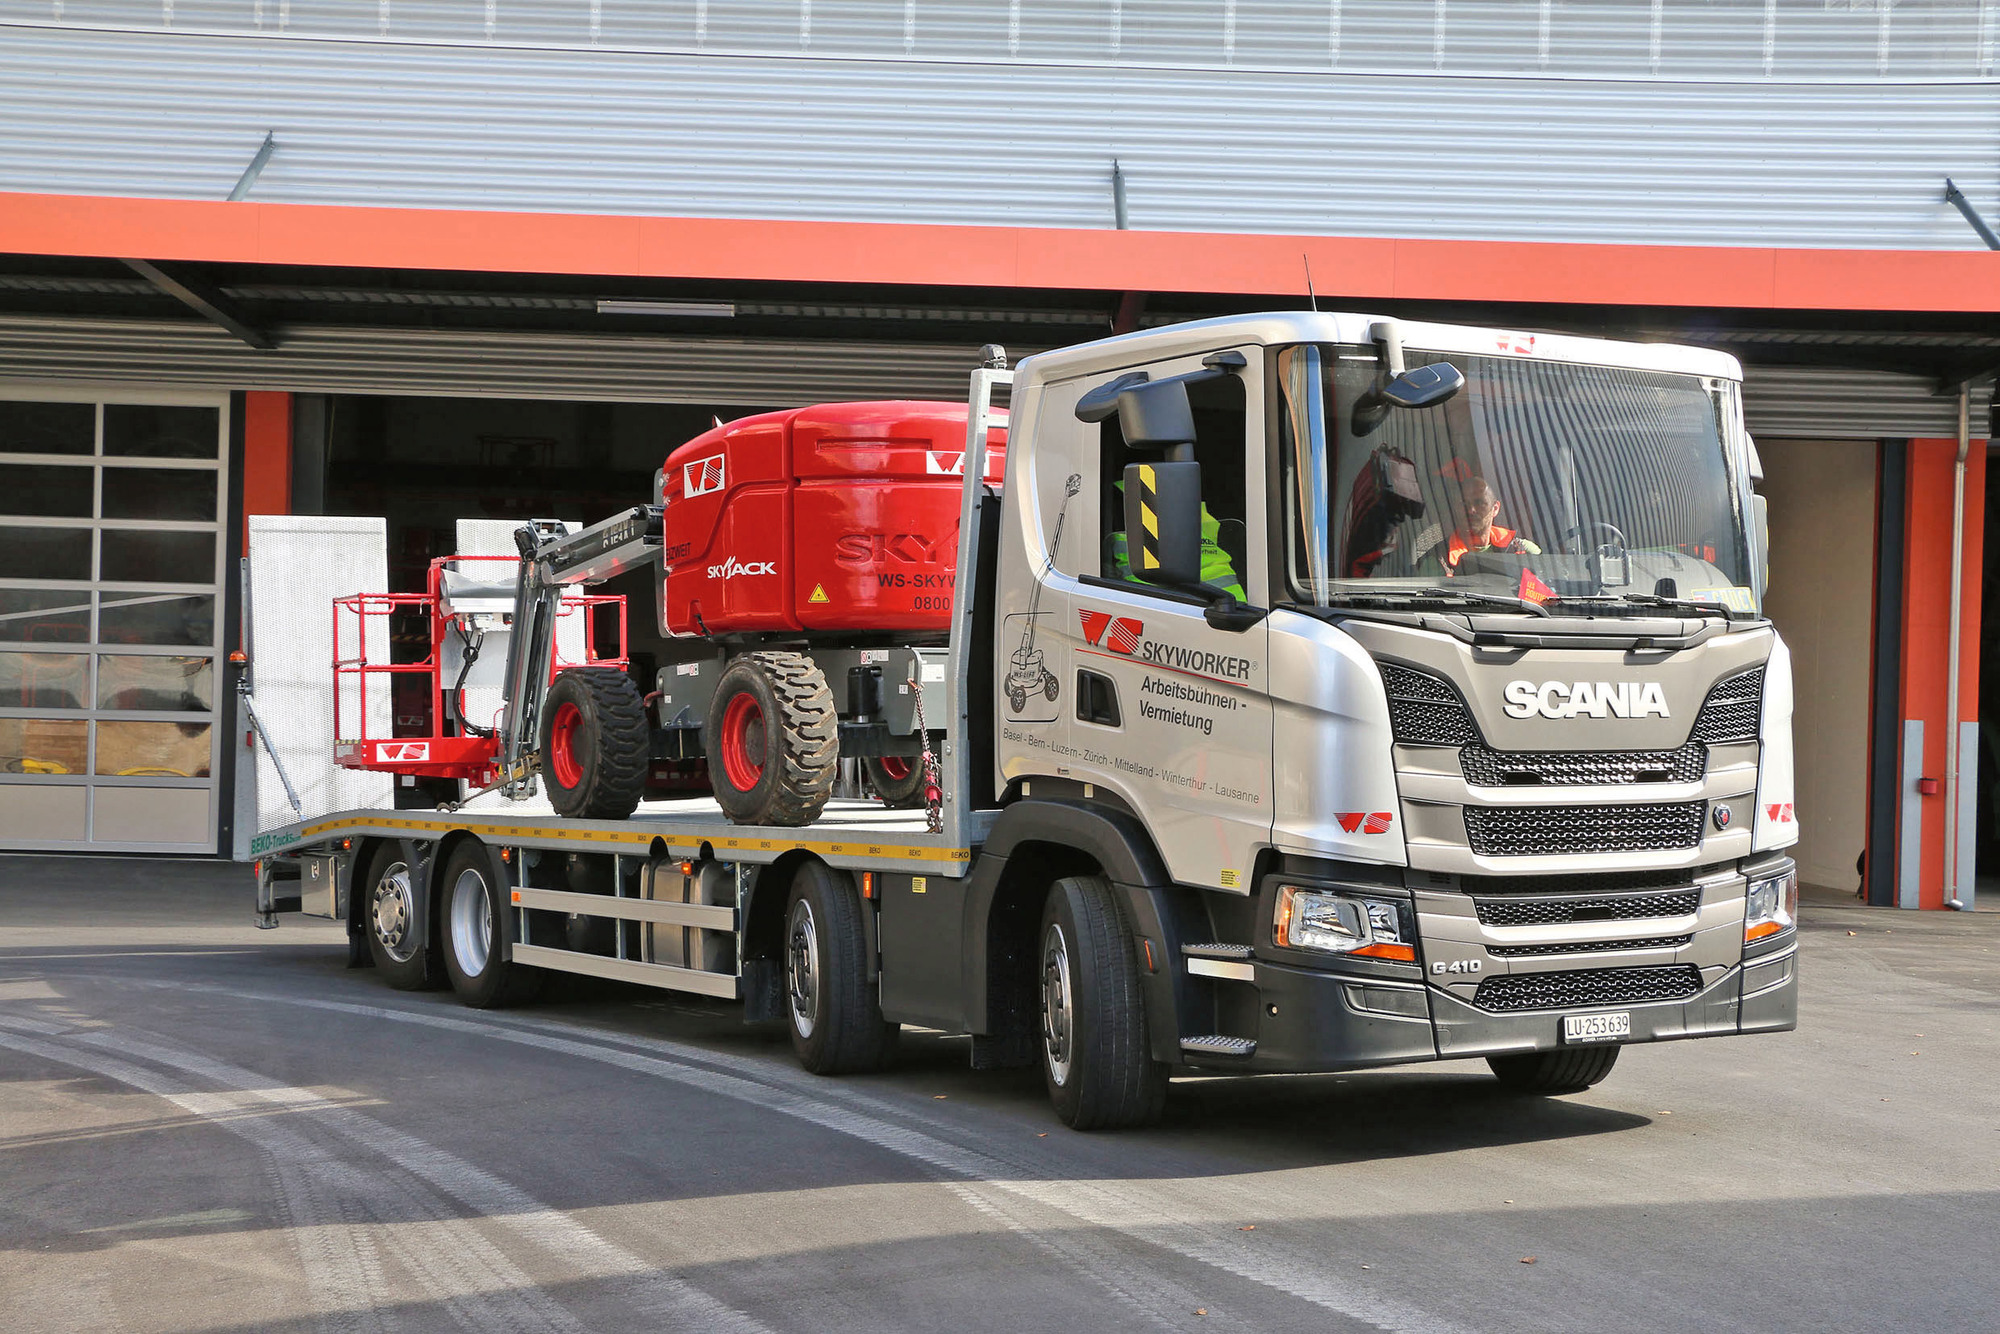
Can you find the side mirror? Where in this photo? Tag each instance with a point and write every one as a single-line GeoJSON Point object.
{"type": "Point", "coordinates": [1163, 521]}
{"type": "Point", "coordinates": [1156, 415]}
{"type": "Point", "coordinates": [1423, 387]}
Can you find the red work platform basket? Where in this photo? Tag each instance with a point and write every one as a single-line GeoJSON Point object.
{"type": "Point", "coordinates": [466, 596]}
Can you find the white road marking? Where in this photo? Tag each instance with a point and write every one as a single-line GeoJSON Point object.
{"type": "Point", "coordinates": [1150, 1216]}
{"type": "Point", "coordinates": [459, 1267]}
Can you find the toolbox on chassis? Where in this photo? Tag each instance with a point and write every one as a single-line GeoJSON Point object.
{"type": "Point", "coordinates": [1411, 700]}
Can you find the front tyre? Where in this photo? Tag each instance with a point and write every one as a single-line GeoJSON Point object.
{"type": "Point", "coordinates": [1570, 1070]}
{"type": "Point", "coordinates": [474, 926]}
{"type": "Point", "coordinates": [1096, 1059]}
{"type": "Point", "coordinates": [834, 1014]}
{"type": "Point", "coordinates": [391, 916]}
{"type": "Point", "coordinates": [772, 739]}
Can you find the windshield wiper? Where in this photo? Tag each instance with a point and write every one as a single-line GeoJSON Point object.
{"type": "Point", "coordinates": [1460, 594]}
{"type": "Point", "coordinates": [1727, 612]}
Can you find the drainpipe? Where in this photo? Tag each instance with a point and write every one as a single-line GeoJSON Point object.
{"type": "Point", "coordinates": [1951, 867]}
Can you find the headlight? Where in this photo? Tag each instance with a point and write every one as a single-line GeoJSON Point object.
{"type": "Point", "coordinates": [1771, 906]}
{"type": "Point", "coordinates": [1317, 919]}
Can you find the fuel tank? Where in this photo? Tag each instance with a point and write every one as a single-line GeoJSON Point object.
{"type": "Point", "coordinates": [840, 517]}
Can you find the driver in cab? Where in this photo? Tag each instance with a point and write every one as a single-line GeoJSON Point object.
{"type": "Point", "coordinates": [1478, 507]}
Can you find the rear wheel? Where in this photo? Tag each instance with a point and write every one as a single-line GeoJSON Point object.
{"type": "Point", "coordinates": [772, 739]}
{"type": "Point", "coordinates": [474, 924]}
{"type": "Point", "coordinates": [391, 919]}
{"type": "Point", "coordinates": [834, 1014]}
{"type": "Point", "coordinates": [594, 744]}
{"type": "Point", "coordinates": [1096, 1059]}
{"type": "Point", "coordinates": [897, 779]}
{"type": "Point", "coordinates": [1570, 1070]}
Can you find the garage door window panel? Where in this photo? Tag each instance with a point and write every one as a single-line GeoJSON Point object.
{"type": "Point", "coordinates": [43, 747]}
{"type": "Point", "coordinates": [166, 619]}
{"type": "Point", "coordinates": [47, 428]}
{"type": "Point", "coordinates": [163, 682]}
{"type": "Point", "coordinates": [146, 431]}
{"type": "Point", "coordinates": [45, 616]}
{"type": "Point", "coordinates": [44, 680]}
{"type": "Point", "coordinates": [50, 552]}
{"type": "Point", "coordinates": [47, 490]}
{"type": "Point", "coordinates": [153, 749]}
{"type": "Point", "coordinates": [133, 555]}
{"type": "Point", "coordinates": [174, 494]}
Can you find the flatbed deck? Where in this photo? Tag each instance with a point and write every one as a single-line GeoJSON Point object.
{"type": "Point", "coordinates": [852, 834]}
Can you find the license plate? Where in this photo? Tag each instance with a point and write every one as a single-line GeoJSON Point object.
{"type": "Point", "coordinates": [1597, 1027]}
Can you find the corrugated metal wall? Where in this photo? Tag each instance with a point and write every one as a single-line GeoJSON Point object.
{"type": "Point", "coordinates": [1778, 401]}
{"type": "Point", "coordinates": [1856, 164]}
{"type": "Point", "coordinates": [1701, 39]}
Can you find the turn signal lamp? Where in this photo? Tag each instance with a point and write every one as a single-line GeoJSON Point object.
{"type": "Point", "coordinates": [1317, 919]}
{"type": "Point", "coordinates": [1771, 906]}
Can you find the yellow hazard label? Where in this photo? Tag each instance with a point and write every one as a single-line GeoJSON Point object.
{"type": "Point", "coordinates": [818, 594]}
{"type": "Point", "coordinates": [919, 884]}
{"type": "Point", "coordinates": [1231, 879]}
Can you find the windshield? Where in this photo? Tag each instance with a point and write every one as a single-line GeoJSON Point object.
{"type": "Point", "coordinates": [1542, 484]}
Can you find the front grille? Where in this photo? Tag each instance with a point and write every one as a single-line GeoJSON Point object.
{"type": "Point", "coordinates": [1590, 882]}
{"type": "Point", "coordinates": [1486, 767]}
{"type": "Point", "coordinates": [1425, 710]}
{"type": "Point", "coordinates": [1600, 908]}
{"type": "Point", "coordinates": [1586, 947]}
{"type": "Point", "coordinates": [1587, 986]}
{"type": "Point", "coordinates": [1521, 831]}
{"type": "Point", "coordinates": [1732, 711]}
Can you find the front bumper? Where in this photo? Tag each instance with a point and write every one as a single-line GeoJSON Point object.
{"type": "Point", "coordinates": [1308, 1020]}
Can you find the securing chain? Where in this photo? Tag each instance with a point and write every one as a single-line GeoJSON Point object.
{"type": "Point", "coordinates": [933, 793]}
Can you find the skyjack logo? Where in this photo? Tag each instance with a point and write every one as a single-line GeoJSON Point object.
{"type": "Point", "coordinates": [732, 567]}
{"type": "Point", "coordinates": [402, 752]}
{"type": "Point", "coordinates": [1365, 822]}
{"type": "Point", "coordinates": [702, 476]}
{"type": "Point", "coordinates": [1779, 812]}
{"type": "Point", "coordinates": [1120, 634]}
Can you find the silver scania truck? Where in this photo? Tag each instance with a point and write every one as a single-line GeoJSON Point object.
{"type": "Point", "coordinates": [1400, 692]}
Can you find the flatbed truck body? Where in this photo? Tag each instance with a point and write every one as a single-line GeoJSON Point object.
{"type": "Point", "coordinates": [1372, 813]}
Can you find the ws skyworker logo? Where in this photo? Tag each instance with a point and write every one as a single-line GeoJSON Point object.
{"type": "Point", "coordinates": [702, 476]}
{"type": "Point", "coordinates": [1123, 636]}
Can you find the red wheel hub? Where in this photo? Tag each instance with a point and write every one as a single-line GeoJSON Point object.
{"type": "Point", "coordinates": [894, 768]}
{"type": "Point", "coordinates": [565, 741]}
{"type": "Point", "coordinates": [743, 742]}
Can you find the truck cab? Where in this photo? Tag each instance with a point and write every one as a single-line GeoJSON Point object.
{"type": "Point", "coordinates": [1430, 659]}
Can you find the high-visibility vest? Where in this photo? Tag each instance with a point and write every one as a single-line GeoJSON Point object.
{"type": "Point", "coordinates": [1216, 567]}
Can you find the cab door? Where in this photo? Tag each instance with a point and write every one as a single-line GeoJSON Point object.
{"type": "Point", "coordinates": [1169, 714]}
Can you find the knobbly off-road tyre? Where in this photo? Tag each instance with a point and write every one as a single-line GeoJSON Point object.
{"type": "Point", "coordinates": [594, 744]}
{"type": "Point", "coordinates": [772, 739]}
{"type": "Point", "coordinates": [897, 779]}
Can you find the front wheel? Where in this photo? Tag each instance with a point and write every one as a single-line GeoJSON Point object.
{"type": "Point", "coordinates": [1096, 1059]}
{"type": "Point", "coordinates": [772, 739]}
{"type": "Point", "coordinates": [1570, 1070]}
{"type": "Point", "coordinates": [834, 1014]}
{"type": "Point", "coordinates": [475, 925]}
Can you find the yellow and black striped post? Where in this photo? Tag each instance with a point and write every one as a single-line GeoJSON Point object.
{"type": "Point", "coordinates": [1163, 507]}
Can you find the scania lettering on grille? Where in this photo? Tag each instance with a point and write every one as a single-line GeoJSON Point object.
{"type": "Point", "coordinates": [1586, 699]}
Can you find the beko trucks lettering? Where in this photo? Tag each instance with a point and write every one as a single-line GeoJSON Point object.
{"type": "Point", "coordinates": [1593, 699]}
{"type": "Point", "coordinates": [732, 567]}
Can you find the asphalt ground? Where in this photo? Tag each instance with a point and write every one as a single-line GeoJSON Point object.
{"type": "Point", "coordinates": [208, 1127]}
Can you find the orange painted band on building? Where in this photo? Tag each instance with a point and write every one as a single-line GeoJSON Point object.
{"type": "Point", "coordinates": [764, 250]}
